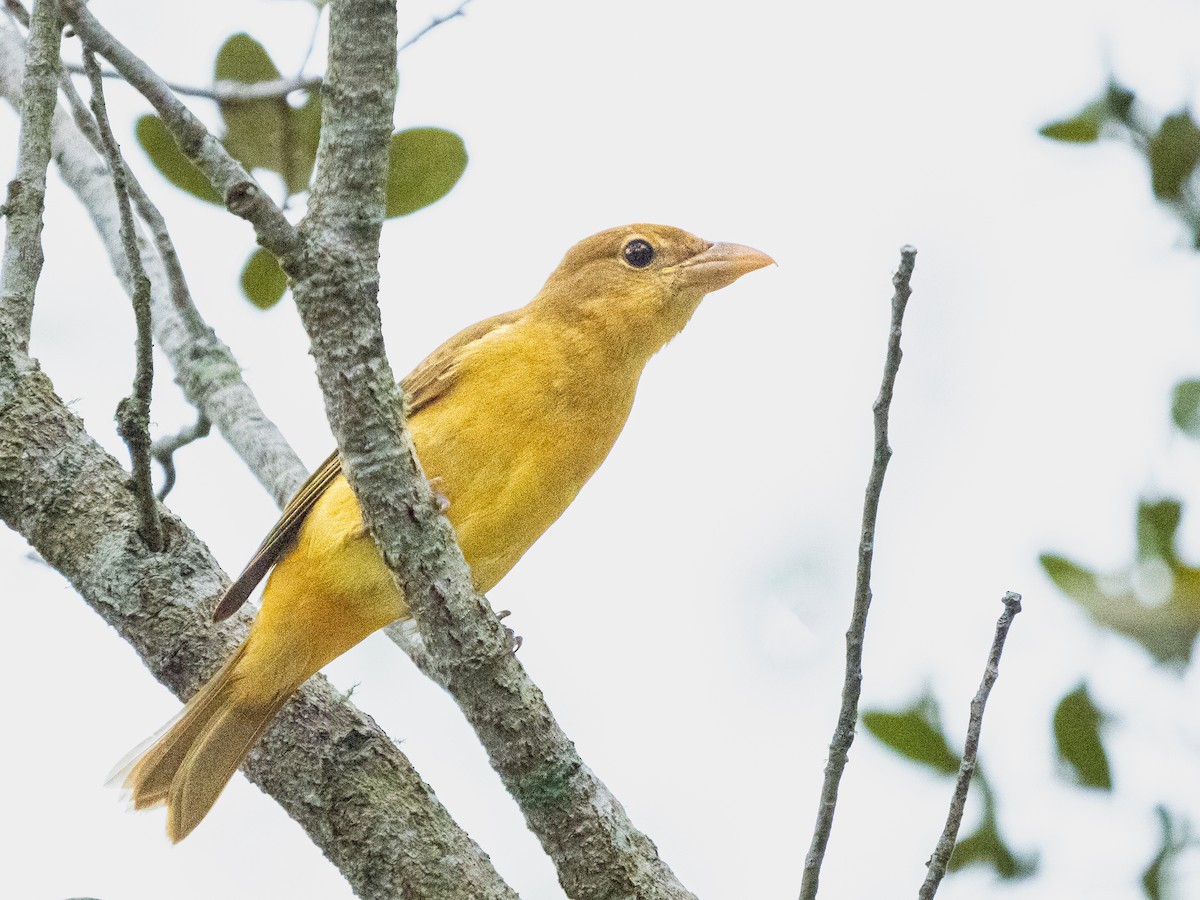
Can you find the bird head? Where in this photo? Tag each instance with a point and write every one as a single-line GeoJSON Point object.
{"type": "Point", "coordinates": [638, 285]}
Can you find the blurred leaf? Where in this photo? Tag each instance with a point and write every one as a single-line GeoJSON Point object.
{"type": "Point", "coordinates": [1157, 522]}
{"type": "Point", "coordinates": [985, 846]}
{"type": "Point", "coordinates": [154, 138]}
{"type": "Point", "coordinates": [1086, 125]}
{"type": "Point", "coordinates": [1173, 153]}
{"type": "Point", "coordinates": [267, 134]}
{"type": "Point", "coordinates": [1075, 581]}
{"type": "Point", "coordinates": [1156, 879]}
{"type": "Point", "coordinates": [1185, 407]}
{"type": "Point", "coordinates": [915, 733]}
{"type": "Point", "coordinates": [424, 164]}
{"type": "Point", "coordinates": [242, 58]}
{"type": "Point", "coordinates": [1155, 600]}
{"type": "Point", "coordinates": [263, 282]}
{"type": "Point", "coordinates": [1077, 733]}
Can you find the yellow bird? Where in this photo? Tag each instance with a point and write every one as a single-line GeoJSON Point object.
{"type": "Point", "coordinates": [510, 418]}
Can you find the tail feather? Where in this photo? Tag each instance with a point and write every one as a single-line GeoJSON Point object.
{"type": "Point", "coordinates": [188, 764]}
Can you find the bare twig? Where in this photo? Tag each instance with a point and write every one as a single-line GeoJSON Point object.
{"type": "Point", "coordinates": [240, 91]}
{"type": "Point", "coordinates": [945, 845]}
{"type": "Point", "coordinates": [226, 90]}
{"type": "Point", "coordinates": [164, 450]}
{"type": "Point", "coordinates": [244, 197]}
{"type": "Point", "coordinates": [843, 735]}
{"type": "Point", "coordinates": [133, 412]}
{"type": "Point", "coordinates": [460, 10]}
{"type": "Point", "coordinates": [21, 265]}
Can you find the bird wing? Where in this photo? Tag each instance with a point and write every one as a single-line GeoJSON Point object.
{"type": "Point", "coordinates": [280, 538]}
{"type": "Point", "coordinates": [429, 382]}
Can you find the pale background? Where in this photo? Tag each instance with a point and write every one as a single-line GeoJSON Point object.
{"type": "Point", "coordinates": [685, 617]}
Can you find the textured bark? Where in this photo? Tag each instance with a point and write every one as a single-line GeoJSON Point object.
{"type": "Point", "coordinates": [205, 369]}
{"type": "Point", "coordinates": [22, 260]}
{"type": "Point", "coordinates": [596, 849]}
{"type": "Point", "coordinates": [326, 763]}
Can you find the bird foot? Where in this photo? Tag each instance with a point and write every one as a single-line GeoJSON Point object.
{"type": "Point", "coordinates": [441, 499]}
{"type": "Point", "coordinates": [514, 640]}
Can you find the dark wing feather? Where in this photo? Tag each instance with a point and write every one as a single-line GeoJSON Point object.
{"type": "Point", "coordinates": [428, 383]}
{"type": "Point", "coordinates": [280, 538]}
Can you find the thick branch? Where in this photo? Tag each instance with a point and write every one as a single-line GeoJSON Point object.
{"type": "Point", "coordinates": [966, 769]}
{"type": "Point", "coordinates": [204, 367]}
{"type": "Point", "coordinates": [598, 852]}
{"type": "Point", "coordinates": [843, 735]}
{"type": "Point", "coordinates": [326, 763]}
{"type": "Point", "coordinates": [21, 265]}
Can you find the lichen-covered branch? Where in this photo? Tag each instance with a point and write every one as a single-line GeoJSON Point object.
{"type": "Point", "coordinates": [326, 763]}
{"type": "Point", "coordinates": [205, 369]}
{"type": "Point", "coordinates": [133, 412]}
{"type": "Point", "coordinates": [843, 735]}
{"type": "Point", "coordinates": [21, 264]}
{"type": "Point", "coordinates": [966, 770]}
{"type": "Point", "coordinates": [584, 829]}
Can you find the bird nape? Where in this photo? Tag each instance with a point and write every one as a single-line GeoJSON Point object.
{"type": "Point", "coordinates": [510, 417]}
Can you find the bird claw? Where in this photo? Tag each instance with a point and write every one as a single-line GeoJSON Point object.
{"type": "Point", "coordinates": [514, 640]}
{"type": "Point", "coordinates": [441, 499]}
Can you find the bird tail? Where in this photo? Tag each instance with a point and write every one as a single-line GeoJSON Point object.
{"type": "Point", "coordinates": [188, 764]}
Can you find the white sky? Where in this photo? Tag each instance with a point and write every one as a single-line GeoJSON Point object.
{"type": "Point", "coordinates": [685, 617]}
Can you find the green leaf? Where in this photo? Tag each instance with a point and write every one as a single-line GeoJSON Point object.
{"type": "Point", "coordinates": [1173, 154]}
{"type": "Point", "coordinates": [915, 733]}
{"type": "Point", "coordinates": [154, 138]}
{"type": "Point", "coordinates": [985, 846]}
{"type": "Point", "coordinates": [1077, 733]}
{"type": "Point", "coordinates": [1073, 580]}
{"type": "Point", "coordinates": [1155, 600]}
{"type": "Point", "coordinates": [1185, 407]}
{"type": "Point", "coordinates": [267, 134]}
{"type": "Point", "coordinates": [1156, 878]}
{"type": "Point", "coordinates": [242, 58]}
{"type": "Point", "coordinates": [1081, 128]}
{"type": "Point", "coordinates": [1157, 522]}
{"type": "Point", "coordinates": [1086, 126]}
{"type": "Point", "coordinates": [263, 282]}
{"type": "Point", "coordinates": [424, 164]}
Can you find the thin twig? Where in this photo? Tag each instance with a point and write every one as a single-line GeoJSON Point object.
{"type": "Point", "coordinates": [843, 735]}
{"type": "Point", "coordinates": [133, 412]}
{"type": "Point", "coordinates": [164, 450]}
{"type": "Point", "coordinates": [226, 90]}
{"type": "Point", "coordinates": [239, 91]}
{"type": "Point", "coordinates": [319, 14]}
{"type": "Point", "coordinates": [945, 845]}
{"type": "Point", "coordinates": [22, 259]}
{"type": "Point", "coordinates": [460, 10]}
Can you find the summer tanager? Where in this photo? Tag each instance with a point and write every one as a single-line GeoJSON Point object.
{"type": "Point", "coordinates": [509, 417]}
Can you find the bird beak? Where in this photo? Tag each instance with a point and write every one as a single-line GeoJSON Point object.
{"type": "Point", "coordinates": [721, 265]}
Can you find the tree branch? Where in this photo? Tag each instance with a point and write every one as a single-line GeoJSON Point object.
{"type": "Point", "coordinates": [597, 851]}
{"type": "Point", "coordinates": [843, 735]}
{"type": "Point", "coordinates": [21, 265]}
{"type": "Point", "coordinates": [966, 770]}
{"type": "Point", "coordinates": [327, 764]}
{"type": "Point", "coordinates": [240, 91]}
{"type": "Point", "coordinates": [243, 195]}
{"type": "Point", "coordinates": [133, 412]}
{"type": "Point", "coordinates": [205, 369]}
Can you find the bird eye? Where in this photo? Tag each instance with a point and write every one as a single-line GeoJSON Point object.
{"type": "Point", "coordinates": [638, 253]}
